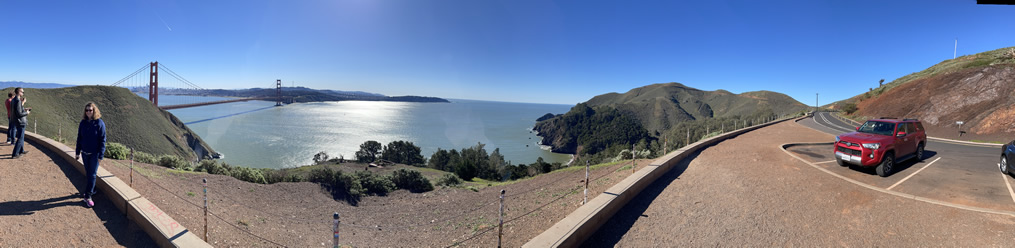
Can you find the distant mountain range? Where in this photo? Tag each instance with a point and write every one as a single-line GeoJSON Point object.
{"type": "Point", "coordinates": [14, 84]}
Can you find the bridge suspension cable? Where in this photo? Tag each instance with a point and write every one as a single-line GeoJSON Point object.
{"type": "Point", "coordinates": [131, 76]}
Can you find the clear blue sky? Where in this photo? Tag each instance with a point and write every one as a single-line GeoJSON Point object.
{"type": "Point", "coordinates": [521, 51]}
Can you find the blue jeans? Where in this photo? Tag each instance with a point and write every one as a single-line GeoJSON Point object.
{"type": "Point", "coordinates": [91, 166]}
{"type": "Point", "coordinates": [10, 131]}
{"type": "Point", "coordinates": [19, 146]}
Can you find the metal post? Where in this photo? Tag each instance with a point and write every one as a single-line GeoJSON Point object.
{"type": "Point", "coordinates": [35, 125]}
{"type": "Point", "coordinates": [131, 168]}
{"type": "Point", "coordinates": [500, 227]}
{"type": "Point", "coordinates": [634, 161]}
{"type": "Point", "coordinates": [586, 200]}
{"type": "Point", "coordinates": [204, 181]}
{"type": "Point", "coordinates": [334, 242]}
{"type": "Point", "coordinates": [688, 136]}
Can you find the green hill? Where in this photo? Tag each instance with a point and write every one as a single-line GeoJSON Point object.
{"type": "Point", "coordinates": [647, 115]}
{"type": "Point", "coordinates": [130, 120]}
{"type": "Point", "coordinates": [660, 106]}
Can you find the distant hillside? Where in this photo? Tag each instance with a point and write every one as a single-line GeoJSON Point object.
{"type": "Point", "coordinates": [130, 119]}
{"type": "Point", "coordinates": [299, 94]}
{"type": "Point", "coordinates": [659, 106]}
{"type": "Point", "coordinates": [15, 84]}
{"type": "Point", "coordinates": [977, 89]}
{"type": "Point", "coordinates": [613, 121]}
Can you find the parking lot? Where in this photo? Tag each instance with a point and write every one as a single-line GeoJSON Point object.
{"type": "Point", "coordinates": [962, 174]}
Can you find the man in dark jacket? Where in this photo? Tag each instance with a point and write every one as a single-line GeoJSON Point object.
{"type": "Point", "coordinates": [19, 116]}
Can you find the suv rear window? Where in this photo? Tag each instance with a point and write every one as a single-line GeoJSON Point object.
{"type": "Point", "coordinates": [877, 127]}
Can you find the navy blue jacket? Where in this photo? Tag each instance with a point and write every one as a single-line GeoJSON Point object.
{"type": "Point", "coordinates": [91, 137]}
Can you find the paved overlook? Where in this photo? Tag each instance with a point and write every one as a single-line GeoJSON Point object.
{"type": "Point", "coordinates": [747, 192]}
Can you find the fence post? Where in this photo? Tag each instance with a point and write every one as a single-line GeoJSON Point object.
{"type": "Point", "coordinates": [500, 227]}
{"type": "Point", "coordinates": [204, 181]}
{"type": "Point", "coordinates": [335, 228]}
{"type": "Point", "coordinates": [35, 125]}
{"type": "Point", "coordinates": [586, 200]}
{"type": "Point", "coordinates": [59, 132]}
{"type": "Point", "coordinates": [688, 137]}
{"type": "Point", "coordinates": [131, 168]}
{"type": "Point", "coordinates": [634, 160]}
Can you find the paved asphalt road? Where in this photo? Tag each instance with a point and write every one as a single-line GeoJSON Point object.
{"type": "Point", "coordinates": [960, 173]}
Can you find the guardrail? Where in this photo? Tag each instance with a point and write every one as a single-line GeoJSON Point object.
{"type": "Point", "coordinates": [586, 220]}
{"type": "Point", "coordinates": [162, 228]}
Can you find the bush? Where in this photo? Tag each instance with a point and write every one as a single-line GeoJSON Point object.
{"type": "Point", "coordinates": [248, 174]}
{"type": "Point", "coordinates": [849, 108]}
{"type": "Point", "coordinates": [374, 184]}
{"type": "Point", "coordinates": [174, 162]}
{"type": "Point", "coordinates": [449, 179]}
{"type": "Point", "coordinates": [411, 180]}
{"type": "Point", "coordinates": [116, 151]}
{"type": "Point", "coordinates": [212, 167]}
{"type": "Point", "coordinates": [143, 157]}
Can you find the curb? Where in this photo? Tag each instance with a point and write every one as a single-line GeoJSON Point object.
{"type": "Point", "coordinates": [895, 193]}
{"type": "Point", "coordinates": [164, 230]}
{"type": "Point", "coordinates": [579, 225]}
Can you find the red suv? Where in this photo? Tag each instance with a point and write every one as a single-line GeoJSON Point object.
{"type": "Point", "coordinates": [882, 143]}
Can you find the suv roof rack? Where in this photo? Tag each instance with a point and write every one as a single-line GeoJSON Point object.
{"type": "Point", "coordinates": [910, 119]}
{"type": "Point", "coordinates": [886, 117]}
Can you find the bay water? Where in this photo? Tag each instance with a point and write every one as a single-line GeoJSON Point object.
{"type": "Point", "coordinates": [258, 134]}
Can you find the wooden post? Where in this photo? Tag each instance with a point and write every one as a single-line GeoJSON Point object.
{"type": "Point", "coordinates": [586, 200]}
{"type": "Point", "coordinates": [334, 240]}
{"type": "Point", "coordinates": [204, 181]}
{"type": "Point", "coordinates": [500, 227]}
{"type": "Point", "coordinates": [131, 168]}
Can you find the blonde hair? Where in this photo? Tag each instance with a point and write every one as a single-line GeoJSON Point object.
{"type": "Point", "coordinates": [95, 112]}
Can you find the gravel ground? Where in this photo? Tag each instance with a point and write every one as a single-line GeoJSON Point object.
{"type": "Point", "coordinates": [40, 207]}
{"type": "Point", "coordinates": [747, 192]}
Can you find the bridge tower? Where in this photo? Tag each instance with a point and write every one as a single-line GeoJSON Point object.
{"type": "Point", "coordinates": [278, 92]}
{"type": "Point", "coordinates": [153, 83]}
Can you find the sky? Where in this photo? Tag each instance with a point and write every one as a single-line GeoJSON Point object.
{"type": "Point", "coordinates": [562, 52]}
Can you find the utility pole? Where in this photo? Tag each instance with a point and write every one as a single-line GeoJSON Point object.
{"type": "Point", "coordinates": [815, 103]}
{"type": "Point", "coordinates": [955, 52]}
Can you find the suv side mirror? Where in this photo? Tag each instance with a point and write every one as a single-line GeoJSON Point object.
{"type": "Point", "coordinates": [857, 128]}
{"type": "Point", "coordinates": [900, 134]}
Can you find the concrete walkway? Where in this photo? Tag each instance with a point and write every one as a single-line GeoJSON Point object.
{"type": "Point", "coordinates": [40, 206]}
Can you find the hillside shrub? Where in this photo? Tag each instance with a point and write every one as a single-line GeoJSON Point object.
{"type": "Point", "coordinates": [411, 180]}
{"type": "Point", "coordinates": [143, 157]}
{"type": "Point", "coordinates": [116, 151]}
{"type": "Point", "coordinates": [374, 184]}
{"type": "Point", "coordinates": [849, 108]}
{"type": "Point", "coordinates": [248, 174]}
{"type": "Point", "coordinates": [174, 162]}
{"type": "Point", "coordinates": [212, 167]}
{"type": "Point", "coordinates": [449, 180]}
{"type": "Point", "coordinates": [281, 176]}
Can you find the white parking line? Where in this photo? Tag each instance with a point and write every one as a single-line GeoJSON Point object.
{"type": "Point", "coordinates": [914, 173]}
{"type": "Point", "coordinates": [1009, 187]}
{"type": "Point", "coordinates": [825, 162]}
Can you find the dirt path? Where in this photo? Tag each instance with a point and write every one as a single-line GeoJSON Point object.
{"type": "Point", "coordinates": [747, 192]}
{"type": "Point", "coordinates": [39, 207]}
{"type": "Point", "coordinates": [299, 214]}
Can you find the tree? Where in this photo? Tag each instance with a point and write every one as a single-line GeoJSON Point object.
{"type": "Point", "coordinates": [473, 160]}
{"type": "Point", "coordinates": [320, 157]}
{"type": "Point", "coordinates": [880, 83]}
{"type": "Point", "coordinates": [368, 151]}
{"type": "Point", "coordinates": [439, 160]}
{"type": "Point", "coordinates": [403, 152]}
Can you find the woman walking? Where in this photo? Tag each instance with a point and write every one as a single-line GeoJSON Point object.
{"type": "Point", "coordinates": [92, 144]}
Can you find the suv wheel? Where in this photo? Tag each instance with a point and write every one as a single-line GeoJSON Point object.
{"type": "Point", "coordinates": [839, 160]}
{"type": "Point", "coordinates": [885, 167]}
{"type": "Point", "coordinates": [919, 152]}
{"type": "Point", "coordinates": [1003, 165]}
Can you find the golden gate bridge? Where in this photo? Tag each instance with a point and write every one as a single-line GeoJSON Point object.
{"type": "Point", "coordinates": [188, 94]}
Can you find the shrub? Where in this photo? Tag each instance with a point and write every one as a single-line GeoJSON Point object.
{"type": "Point", "coordinates": [143, 157]}
{"type": "Point", "coordinates": [248, 174]}
{"type": "Point", "coordinates": [374, 184]}
{"type": "Point", "coordinates": [320, 157]}
{"type": "Point", "coordinates": [449, 179]}
{"type": "Point", "coordinates": [116, 151]}
{"type": "Point", "coordinates": [411, 180]}
{"type": "Point", "coordinates": [174, 162]}
{"type": "Point", "coordinates": [212, 167]}
{"type": "Point", "coordinates": [849, 108]}
{"type": "Point", "coordinates": [322, 176]}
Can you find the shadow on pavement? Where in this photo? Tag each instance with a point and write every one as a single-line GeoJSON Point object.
{"type": "Point", "coordinates": [30, 207]}
{"type": "Point", "coordinates": [614, 229]}
{"type": "Point", "coordinates": [123, 231]}
{"type": "Point", "coordinates": [899, 167]}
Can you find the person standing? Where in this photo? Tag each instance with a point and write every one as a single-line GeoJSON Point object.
{"type": "Point", "coordinates": [19, 118]}
{"type": "Point", "coordinates": [10, 123]}
{"type": "Point", "coordinates": [92, 144]}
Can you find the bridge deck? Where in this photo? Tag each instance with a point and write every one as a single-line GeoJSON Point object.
{"type": "Point", "coordinates": [39, 206]}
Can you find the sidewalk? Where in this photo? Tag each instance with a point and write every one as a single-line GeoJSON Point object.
{"type": "Point", "coordinates": [39, 206]}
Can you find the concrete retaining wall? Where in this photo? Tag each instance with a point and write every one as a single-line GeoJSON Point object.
{"type": "Point", "coordinates": [163, 229]}
{"type": "Point", "coordinates": [584, 221]}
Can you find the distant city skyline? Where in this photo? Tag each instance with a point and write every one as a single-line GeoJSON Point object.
{"type": "Point", "coordinates": [561, 52]}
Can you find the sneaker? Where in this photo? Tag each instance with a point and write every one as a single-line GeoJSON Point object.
{"type": "Point", "coordinates": [89, 202]}
{"type": "Point", "coordinates": [24, 152]}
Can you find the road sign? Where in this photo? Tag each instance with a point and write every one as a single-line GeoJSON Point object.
{"type": "Point", "coordinates": [959, 123]}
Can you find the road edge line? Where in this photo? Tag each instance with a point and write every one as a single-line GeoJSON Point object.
{"type": "Point", "coordinates": [914, 173]}
{"type": "Point", "coordinates": [895, 193]}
